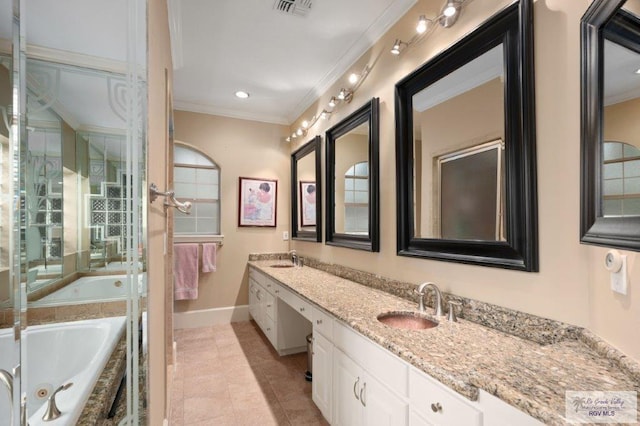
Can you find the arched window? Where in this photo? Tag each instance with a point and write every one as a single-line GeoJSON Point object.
{"type": "Point", "coordinates": [356, 199]}
{"type": "Point", "coordinates": [196, 179]}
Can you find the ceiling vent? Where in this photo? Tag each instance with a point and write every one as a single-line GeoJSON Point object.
{"type": "Point", "coordinates": [293, 7]}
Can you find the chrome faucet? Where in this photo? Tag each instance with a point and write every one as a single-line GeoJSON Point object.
{"type": "Point", "coordinates": [294, 257]}
{"type": "Point", "coordinates": [7, 379]}
{"type": "Point", "coordinates": [438, 302]}
{"type": "Point", "coordinates": [53, 412]}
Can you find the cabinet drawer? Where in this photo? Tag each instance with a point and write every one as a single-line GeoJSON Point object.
{"type": "Point", "coordinates": [296, 302]}
{"type": "Point", "coordinates": [322, 322]}
{"type": "Point", "coordinates": [438, 404]}
{"type": "Point", "coordinates": [271, 286]}
{"type": "Point", "coordinates": [269, 304]}
{"type": "Point", "coordinates": [269, 329]}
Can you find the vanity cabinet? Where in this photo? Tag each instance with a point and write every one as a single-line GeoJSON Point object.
{"type": "Point", "coordinates": [280, 322]}
{"type": "Point", "coordinates": [322, 384]}
{"type": "Point", "coordinates": [369, 384]}
{"type": "Point", "coordinates": [355, 380]}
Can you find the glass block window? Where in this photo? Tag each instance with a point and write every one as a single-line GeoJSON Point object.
{"type": "Point", "coordinates": [621, 179]}
{"type": "Point", "coordinates": [356, 199]}
{"type": "Point", "coordinates": [196, 178]}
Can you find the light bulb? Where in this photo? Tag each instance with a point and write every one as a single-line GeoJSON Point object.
{"type": "Point", "coordinates": [450, 9]}
{"type": "Point", "coordinates": [299, 132]}
{"type": "Point", "coordinates": [323, 115]}
{"type": "Point", "coordinates": [305, 124]}
{"type": "Point", "coordinates": [396, 47]}
{"type": "Point", "coordinates": [332, 102]}
{"type": "Point", "coordinates": [341, 95]}
{"type": "Point", "coordinates": [638, 71]}
{"type": "Point", "coordinates": [353, 78]}
{"type": "Point", "coordinates": [422, 24]}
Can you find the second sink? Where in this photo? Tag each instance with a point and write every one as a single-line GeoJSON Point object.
{"type": "Point", "coordinates": [406, 320]}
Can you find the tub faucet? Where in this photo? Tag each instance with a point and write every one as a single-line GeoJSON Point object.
{"type": "Point", "coordinates": [7, 379]}
{"type": "Point", "coordinates": [53, 412]}
{"type": "Point", "coordinates": [438, 303]}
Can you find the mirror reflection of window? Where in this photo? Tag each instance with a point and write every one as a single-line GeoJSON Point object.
{"type": "Point", "coordinates": [352, 182]}
{"type": "Point", "coordinates": [621, 179]}
{"type": "Point", "coordinates": [196, 179]}
{"type": "Point", "coordinates": [452, 120]}
{"type": "Point", "coordinates": [621, 131]}
{"type": "Point", "coordinates": [356, 199]}
{"type": "Point", "coordinates": [470, 193]}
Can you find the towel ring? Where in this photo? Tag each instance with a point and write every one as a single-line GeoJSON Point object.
{"type": "Point", "coordinates": [169, 199]}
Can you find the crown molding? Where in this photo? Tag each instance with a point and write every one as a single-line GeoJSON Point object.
{"type": "Point", "coordinates": [231, 113]}
{"type": "Point", "coordinates": [390, 16]}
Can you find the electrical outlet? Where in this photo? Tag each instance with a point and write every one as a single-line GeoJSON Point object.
{"type": "Point", "coordinates": [285, 235]}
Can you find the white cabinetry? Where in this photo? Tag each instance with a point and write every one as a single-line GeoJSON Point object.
{"type": "Point", "coordinates": [360, 399]}
{"type": "Point", "coordinates": [322, 390]}
{"type": "Point", "coordinates": [282, 325]}
{"type": "Point", "coordinates": [369, 384]}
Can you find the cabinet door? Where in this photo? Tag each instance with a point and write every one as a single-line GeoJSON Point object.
{"type": "Point", "coordinates": [347, 379]}
{"type": "Point", "coordinates": [381, 406]}
{"type": "Point", "coordinates": [322, 369]}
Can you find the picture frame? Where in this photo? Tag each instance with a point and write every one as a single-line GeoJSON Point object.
{"type": "Point", "coordinates": [307, 203]}
{"type": "Point", "coordinates": [257, 202]}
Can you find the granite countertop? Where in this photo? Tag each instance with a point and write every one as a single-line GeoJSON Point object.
{"type": "Point", "coordinates": [463, 355]}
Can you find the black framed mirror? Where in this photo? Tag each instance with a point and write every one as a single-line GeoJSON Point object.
{"type": "Point", "coordinates": [306, 192]}
{"type": "Point", "coordinates": [610, 146]}
{"type": "Point", "coordinates": [465, 149]}
{"type": "Point", "coordinates": [352, 157]}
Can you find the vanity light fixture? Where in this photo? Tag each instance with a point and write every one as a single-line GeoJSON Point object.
{"type": "Point", "coordinates": [423, 24]}
{"type": "Point", "coordinates": [344, 95]}
{"type": "Point", "coordinates": [448, 16]}
{"type": "Point", "coordinates": [242, 94]}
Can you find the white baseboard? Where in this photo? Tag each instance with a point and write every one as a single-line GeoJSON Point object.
{"type": "Point", "coordinates": [209, 317]}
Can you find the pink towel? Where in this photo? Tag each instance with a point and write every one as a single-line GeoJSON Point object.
{"type": "Point", "coordinates": [209, 257]}
{"type": "Point", "coordinates": [185, 271]}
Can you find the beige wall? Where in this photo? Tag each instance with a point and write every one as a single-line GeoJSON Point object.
{"type": "Point", "coordinates": [621, 122]}
{"type": "Point", "coordinates": [572, 285]}
{"type": "Point", "coordinates": [240, 148]}
{"type": "Point", "coordinates": [159, 63]}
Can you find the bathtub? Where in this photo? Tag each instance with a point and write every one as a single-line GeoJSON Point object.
{"type": "Point", "coordinates": [91, 289]}
{"type": "Point", "coordinates": [58, 354]}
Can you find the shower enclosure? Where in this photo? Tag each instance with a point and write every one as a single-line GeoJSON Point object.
{"type": "Point", "coordinates": [72, 199]}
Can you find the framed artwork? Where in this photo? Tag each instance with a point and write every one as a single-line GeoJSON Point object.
{"type": "Point", "coordinates": [257, 202]}
{"type": "Point", "coordinates": [308, 203]}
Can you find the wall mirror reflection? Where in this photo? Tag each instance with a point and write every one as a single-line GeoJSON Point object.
{"type": "Point", "coordinates": [352, 180]}
{"type": "Point", "coordinates": [466, 191]}
{"type": "Point", "coordinates": [610, 136]}
{"type": "Point", "coordinates": [306, 192]}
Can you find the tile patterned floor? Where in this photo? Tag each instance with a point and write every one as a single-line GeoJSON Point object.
{"type": "Point", "coordinates": [231, 375]}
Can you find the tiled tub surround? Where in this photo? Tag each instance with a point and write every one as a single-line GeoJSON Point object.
{"type": "Point", "coordinates": [527, 361]}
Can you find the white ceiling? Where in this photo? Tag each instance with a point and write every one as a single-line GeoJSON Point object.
{"type": "Point", "coordinates": [284, 61]}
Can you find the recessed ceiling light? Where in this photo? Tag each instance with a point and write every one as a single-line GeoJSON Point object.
{"type": "Point", "coordinates": [242, 94]}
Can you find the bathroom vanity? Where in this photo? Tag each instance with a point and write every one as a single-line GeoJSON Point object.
{"type": "Point", "coordinates": [365, 372]}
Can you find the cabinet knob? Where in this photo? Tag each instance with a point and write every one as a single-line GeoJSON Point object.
{"type": "Point", "coordinates": [318, 322]}
{"type": "Point", "coordinates": [435, 407]}
{"type": "Point", "coordinates": [269, 329]}
{"type": "Point", "coordinates": [268, 306]}
{"type": "Point", "coordinates": [277, 291]}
